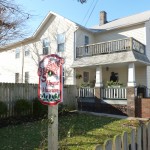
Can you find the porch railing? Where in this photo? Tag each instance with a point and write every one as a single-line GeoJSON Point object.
{"type": "Point", "coordinates": [114, 93]}
{"type": "Point", "coordinates": [86, 92]}
{"type": "Point", "coordinates": [110, 47]}
{"type": "Point", "coordinates": [107, 93]}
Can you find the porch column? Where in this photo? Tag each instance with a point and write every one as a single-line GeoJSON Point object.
{"type": "Point", "coordinates": [131, 92]}
{"type": "Point", "coordinates": [98, 83]}
{"type": "Point", "coordinates": [131, 75]}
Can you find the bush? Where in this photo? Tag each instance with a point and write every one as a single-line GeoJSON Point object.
{"type": "Point", "coordinates": [22, 107]}
{"type": "Point", "coordinates": [3, 108]}
{"type": "Point", "coordinates": [39, 109]}
{"type": "Point", "coordinates": [63, 109]}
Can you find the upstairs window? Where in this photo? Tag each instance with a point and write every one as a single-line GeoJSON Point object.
{"type": "Point", "coordinates": [45, 46]}
{"type": "Point", "coordinates": [86, 40]}
{"type": "Point", "coordinates": [26, 51]}
{"type": "Point", "coordinates": [61, 42]}
{"type": "Point", "coordinates": [26, 77]}
{"type": "Point", "coordinates": [17, 53]}
{"type": "Point", "coordinates": [16, 77]}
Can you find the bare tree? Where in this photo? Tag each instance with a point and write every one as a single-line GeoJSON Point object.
{"type": "Point", "coordinates": [82, 1]}
{"type": "Point", "coordinates": [12, 19]}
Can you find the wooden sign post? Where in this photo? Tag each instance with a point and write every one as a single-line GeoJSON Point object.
{"type": "Point", "coordinates": [50, 92]}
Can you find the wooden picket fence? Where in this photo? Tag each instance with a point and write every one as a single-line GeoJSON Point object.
{"type": "Point", "coordinates": [138, 139]}
{"type": "Point", "coordinates": [10, 92]}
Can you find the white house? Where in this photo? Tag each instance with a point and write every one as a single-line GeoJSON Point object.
{"type": "Point", "coordinates": [121, 46]}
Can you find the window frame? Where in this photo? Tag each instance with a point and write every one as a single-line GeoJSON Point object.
{"type": "Point", "coordinates": [17, 53]}
{"type": "Point", "coordinates": [45, 46]}
{"type": "Point", "coordinates": [26, 78]}
{"type": "Point", "coordinates": [26, 49]}
{"type": "Point", "coordinates": [88, 76]}
{"type": "Point", "coordinates": [86, 40]}
{"type": "Point", "coordinates": [61, 42]}
{"type": "Point", "coordinates": [16, 77]}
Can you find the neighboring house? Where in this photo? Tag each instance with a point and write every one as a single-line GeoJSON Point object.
{"type": "Point", "coordinates": [19, 61]}
{"type": "Point", "coordinates": [121, 46]}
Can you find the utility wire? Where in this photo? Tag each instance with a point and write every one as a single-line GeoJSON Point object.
{"type": "Point", "coordinates": [88, 10]}
{"type": "Point", "coordinates": [91, 12]}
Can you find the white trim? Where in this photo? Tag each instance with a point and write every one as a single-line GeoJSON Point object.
{"type": "Point", "coordinates": [118, 102]}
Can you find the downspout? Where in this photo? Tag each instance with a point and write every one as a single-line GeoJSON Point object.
{"type": "Point", "coordinates": [22, 69]}
{"type": "Point", "coordinates": [74, 82]}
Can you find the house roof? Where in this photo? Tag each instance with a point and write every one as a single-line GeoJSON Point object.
{"type": "Point", "coordinates": [113, 58]}
{"type": "Point", "coordinates": [122, 22]}
{"type": "Point", "coordinates": [126, 21]}
{"type": "Point", "coordinates": [38, 31]}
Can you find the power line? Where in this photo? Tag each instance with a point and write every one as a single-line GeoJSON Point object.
{"type": "Point", "coordinates": [91, 12]}
{"type": "Point", "coordinates": [88, 10]}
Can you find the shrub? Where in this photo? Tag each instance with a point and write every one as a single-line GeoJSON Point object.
{"type": "Point", "coordinates": [22, 107]}
{"type": "Point", "coordinates": [3, 108]}
{"type": "Point", "coordinates": [63, 109]}
{"type": "Point", "coordinates": [39, 109]}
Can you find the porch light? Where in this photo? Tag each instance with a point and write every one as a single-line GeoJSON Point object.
{"type": "Point", "coordinates": [107, 68]}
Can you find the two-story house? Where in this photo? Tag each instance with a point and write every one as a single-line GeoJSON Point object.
{"type": "Point", "coordinates": [120, 47]}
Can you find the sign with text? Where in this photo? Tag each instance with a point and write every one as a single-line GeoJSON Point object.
{"type": "Point", "coordinates": [50, 88]}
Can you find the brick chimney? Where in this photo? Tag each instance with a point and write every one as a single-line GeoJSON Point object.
{"type": "Point", "coordinates": [103, 17]}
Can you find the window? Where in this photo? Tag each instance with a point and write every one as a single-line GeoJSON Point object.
{"type": "Point", "coordinates": [26, 51]}
{"type": "Point", "coordinates": [26, 77]}
{"type": "Point", "coordinates": [16, 77]}
{"type": "Point", "coordinates": [45, 46]}
{"type": "Point", "coordinates": [86, 42]}
{"type": "Point", "coordinates": [61, 42]}
{"type": "Point", "coordinates": [17, 55]}
{"type": "Point", "coordinates": [85, 76]}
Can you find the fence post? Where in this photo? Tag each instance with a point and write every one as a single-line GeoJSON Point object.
{"type": "Point", "coordinates": [124, 139]}
{"type": "Point", "coordinates": [107, 145]}
{"type": "Point", "coordinates": [117, 142]}
{"type": "Point", "coordinates": [144, 137]}
{"type": "Point", "coordinates": [139, 138]}
{"type": "Point", "coordinates": [133, 139]}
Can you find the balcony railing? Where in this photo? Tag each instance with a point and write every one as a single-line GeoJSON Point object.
{"type": "Point", "coordinates": [110, 47]}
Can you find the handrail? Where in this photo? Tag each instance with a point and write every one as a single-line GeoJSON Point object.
{"type": "Point", "coordinates": [110, 47]}
{"type": "Point", "coordinates": [114, 93]}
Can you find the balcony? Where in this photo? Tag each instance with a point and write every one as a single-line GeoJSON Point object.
{"type": "Point", "coordinates": [108, 47]}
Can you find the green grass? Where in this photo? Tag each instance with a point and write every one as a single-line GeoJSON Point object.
{"type": "Point", "coordinates": [76, 132]}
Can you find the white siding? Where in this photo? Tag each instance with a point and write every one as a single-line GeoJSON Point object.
{"type": "Point", "coordinates": [56, 25]}
{"type": "Point", "coordinates": [80, 34]}
{"type": "Point", "coordinates": [138, 32]}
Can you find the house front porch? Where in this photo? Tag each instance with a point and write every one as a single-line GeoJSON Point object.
{"type": "Point", "coordinates": [96, 92]}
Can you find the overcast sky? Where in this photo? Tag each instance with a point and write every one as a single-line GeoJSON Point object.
{"type": "Point", "coordinates": [85, 14]}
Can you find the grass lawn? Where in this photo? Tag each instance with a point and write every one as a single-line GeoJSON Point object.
{"type": "Point", "coordinates": [76, 132]}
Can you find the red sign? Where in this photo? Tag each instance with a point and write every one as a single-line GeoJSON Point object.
{"type": "Point", "coordinates": [50, 88]}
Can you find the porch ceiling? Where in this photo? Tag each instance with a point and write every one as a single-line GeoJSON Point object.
{"type": "Point", "coordinates": [113, 58]}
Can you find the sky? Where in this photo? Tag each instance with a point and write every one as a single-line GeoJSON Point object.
{"type": "Point", "coordinates": [86, 14]}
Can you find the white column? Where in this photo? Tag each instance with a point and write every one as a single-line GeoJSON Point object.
{"type": "Point", "coordinates": [98, 82]}
{"type": "Point", "coordinates": [131, 75]}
